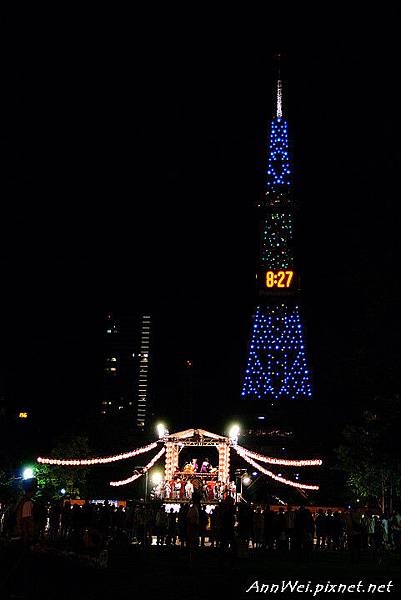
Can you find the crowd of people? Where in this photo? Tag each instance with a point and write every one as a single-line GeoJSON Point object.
{"type": "Point", "coordinates": [201, 478]}
{"type": "Point", "coordinates": [182, 487]}
{"type": "Point", "coordinates": [225, 525]}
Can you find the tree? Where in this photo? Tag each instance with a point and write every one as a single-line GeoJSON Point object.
{"type": "Point", "coordinates": [10, 487]}
{"type": "Point", "coordinates": [53, 478]}
{"type": "Point", "coordinates": [371, 453]}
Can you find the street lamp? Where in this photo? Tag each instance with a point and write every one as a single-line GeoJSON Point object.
{"type": "Point", "coordinates": [27, 473]}
{"type": "Point", "coordinates": [161, 430]}
{"type": "Point", "coordinates": [233, 433]}
{"type": "Point", "coordinates": [157, 477]}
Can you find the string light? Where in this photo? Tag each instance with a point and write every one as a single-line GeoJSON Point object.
{"type": "Point", "coordinates": [281, 461]}
{"type": "Point", "coordinates": [144, 470]}
{"type": "Point", "coordinates": [277, 365]}
{"type": "Point", "coordinates": [302, 486]}
{"type": "Point", "coordinates": [73, 462]}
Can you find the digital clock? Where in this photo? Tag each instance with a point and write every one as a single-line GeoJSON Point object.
{"type": "Point", "coordinates": [279, 279]}
{"type": "Point", "coordinates": [277, 282]}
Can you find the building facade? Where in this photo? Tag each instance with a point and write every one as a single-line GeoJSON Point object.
{"type": "Point", "coordinates": [126, 361]}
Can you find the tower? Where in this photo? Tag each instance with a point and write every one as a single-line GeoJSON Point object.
{"type": "Point", "coordinates": [277, 369]}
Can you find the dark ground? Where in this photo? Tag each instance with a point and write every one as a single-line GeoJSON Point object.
{"type": "Point", "coordinates": [165, 573]}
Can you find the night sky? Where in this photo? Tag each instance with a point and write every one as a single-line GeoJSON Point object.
{"type": "Point", "coordinates": [129, 175]}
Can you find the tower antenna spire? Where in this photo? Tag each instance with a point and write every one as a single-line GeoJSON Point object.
{"type": "Point", "coordinates": [279, 96]}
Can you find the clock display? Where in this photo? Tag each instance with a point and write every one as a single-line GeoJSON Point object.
{"type": "Point", "coordinates": [279, 279]}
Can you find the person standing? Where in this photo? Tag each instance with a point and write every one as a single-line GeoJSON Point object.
{"type": "Point", "coordinates": [171, 528]}
{"type": "Point", "coordinates": [203, 523]}
{"type": "Point", "coordinates": [66, 519]}
{"type": "Point", "coordinates": [54, 520]}
{"type": "Point", "coordinates": [303, 533]}
{"type": "Point", "coordinates": [189, 489]}
{"type": "Point", "coordinates": [149, 524]}
{"type": "Point", "coordinates": [217, 525]}
{"type": "Point", "coordinates": [25, 522]}
{"type": "Point", "coordinates": [396, 530]}
{"type": "Point", "coordinates": [385, 527]}
{"type": "Point", "coordinates": [320, 523]}
{"type": "Point", "coordinates": [193, 524]}
{"type": "Point", "coordinates": [228, 541]}
{"type": "Point", "coordinates": [268, 528]}
{"type": "Point", "coordinates": [40, 514]}
{"type": "Point", "coordinates": [182, 524]}
{"type": "Point", "coordinates": [289, 527]}
{"type": "Point", "coordinates": [161, 526]}
{"type": "Point", "coordinates": [177, 489]}
{"type": "Point", "coordinates": [258, 523]}
{"type": "Point", "coordinates": [354, 533]}
{"type": "Point", "coordinates": [210, 489]}
{"type": "Point", "coordinates": [280, 531]}
{"type": "Point", "coordinates": [337, 531]}
{"type": "Point", "coordinates": [370, 528]}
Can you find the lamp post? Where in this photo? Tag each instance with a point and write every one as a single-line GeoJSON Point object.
{"type": "Point", "coordinates": [142, 470]}
{"type": "Point", "coordinates": [239, 477]}
{"type": "Point", "coordinates": [156, 478]}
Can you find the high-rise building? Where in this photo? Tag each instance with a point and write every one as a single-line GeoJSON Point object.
{"type": "Point", "coordinates": [126, 366]}
{"type": "Point", "coordinates": [143, 379]}
{"type": "Point", "coordinates": [277, 370]}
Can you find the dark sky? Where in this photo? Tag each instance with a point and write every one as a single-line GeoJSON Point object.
{"type": "Point", "coordinates": [129, 173]}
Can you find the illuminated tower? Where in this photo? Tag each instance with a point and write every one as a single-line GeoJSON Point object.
{"type": "Point", "coordinates": [277, 367]}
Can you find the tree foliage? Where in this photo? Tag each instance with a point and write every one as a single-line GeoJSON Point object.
{"type": "Point", "coordinates": [371, 452]}
{"type": "Point", "coordinates": [53, 478]}
{"type": "Point", "coordinates": [10, 487]}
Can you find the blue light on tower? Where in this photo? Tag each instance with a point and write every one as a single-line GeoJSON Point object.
{"type": "Point", "coordinates": [277, 366]}
{"type": "Point", "coordinates": [278, 164]}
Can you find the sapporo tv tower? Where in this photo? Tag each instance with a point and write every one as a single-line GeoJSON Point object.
{"type": "Point", "coordinates": [277, 369]}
